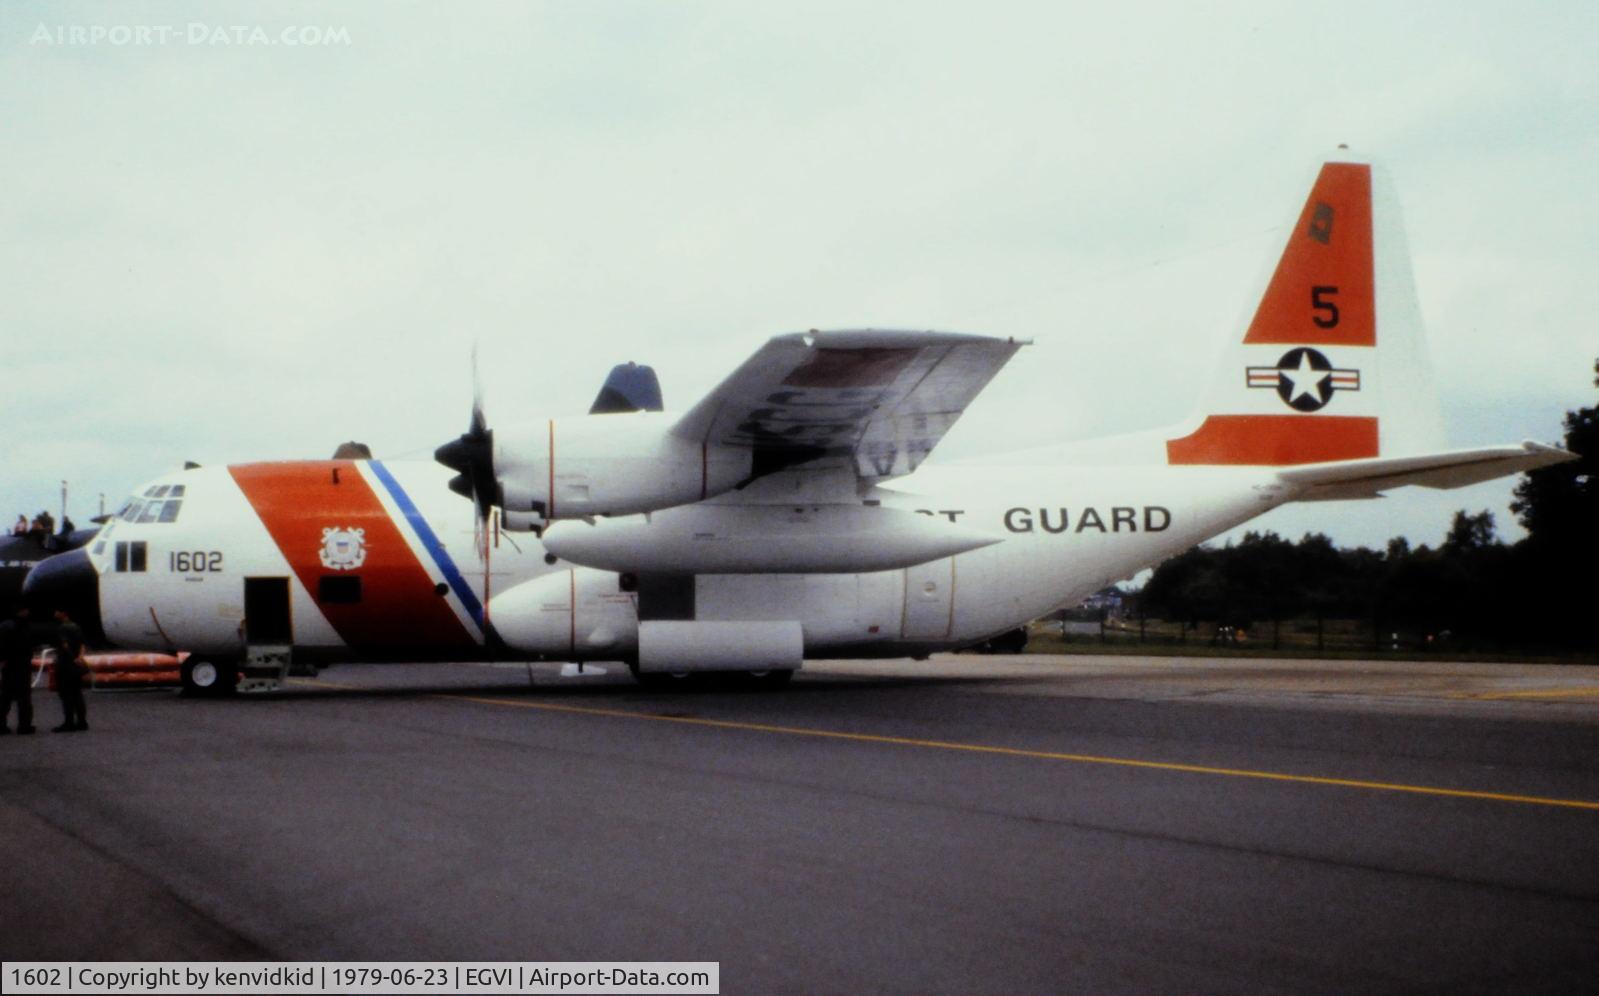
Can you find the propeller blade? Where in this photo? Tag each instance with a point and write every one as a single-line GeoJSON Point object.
{"type": "Point", "coordinates": [471, 455]}
{"type": "Point", "coordinates": [479, 423]}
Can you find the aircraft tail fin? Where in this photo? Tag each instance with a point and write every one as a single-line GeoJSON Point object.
{"type": "Point", "coordinates": [1332, 365]}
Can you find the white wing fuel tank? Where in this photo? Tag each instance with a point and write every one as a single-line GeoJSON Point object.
{"type": "Point", "coordinates": [760, 539]}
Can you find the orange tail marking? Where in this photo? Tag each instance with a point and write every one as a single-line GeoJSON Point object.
{"type": "Point", "coordinates": [1322, 292]}
{"type": "Point", "coordinates": [1276, 440]}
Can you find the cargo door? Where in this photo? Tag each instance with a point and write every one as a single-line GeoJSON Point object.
{"type": "Point", "coordinates": [266, 611]}
{"type": "Point", "coordinates": [268, 633]}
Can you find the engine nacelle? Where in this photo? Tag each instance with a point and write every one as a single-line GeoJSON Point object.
{"type": "Point", "coordinates": [576, 614]}
{"type": "Point", "coordinates": [587, 465]}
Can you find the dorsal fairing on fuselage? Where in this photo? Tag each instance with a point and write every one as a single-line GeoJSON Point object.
{"type": "Point", "coordinates": [629, 387]}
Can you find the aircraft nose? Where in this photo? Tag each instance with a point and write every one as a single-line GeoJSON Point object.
{"type": "Point", "coordinates": [68, 581]}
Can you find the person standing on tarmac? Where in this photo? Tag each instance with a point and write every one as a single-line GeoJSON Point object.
{"type": "Point", "coordinates": [70, 672]}
{"type": "Point", "coordinates": [16, 646]}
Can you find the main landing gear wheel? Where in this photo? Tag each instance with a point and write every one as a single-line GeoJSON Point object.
{"type": "Point", "coordinates": [661, 681]}
{"type": "Point", "coordinates": [674, 681]}
{"type": "Point", "coordinates": [203, 677]}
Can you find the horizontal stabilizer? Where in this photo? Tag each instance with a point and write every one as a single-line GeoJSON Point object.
{"type": "Point", "coordinates": [1369, 478]}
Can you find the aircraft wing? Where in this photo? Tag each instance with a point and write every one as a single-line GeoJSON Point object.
{"type": "Point", "coordinates": [876, 400]}
{"type": "Point", "coordinates": [1368, 478]}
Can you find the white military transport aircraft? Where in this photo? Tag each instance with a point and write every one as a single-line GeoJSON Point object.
{"type": "Point", "coordinates": [789, 514]}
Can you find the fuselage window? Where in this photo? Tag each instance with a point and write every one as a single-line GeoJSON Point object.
{"type": "Point", "coordinates": [339, 589]}
{"type": "Point", "coordinates": [130, 511]}
{"type": "Point", "coordinates": [176, 492]}
{"type": "Point", "coordinates": [132, 556]}
{"type": "Point", "coordinates": [151, 511]}
{"type": "Point", "coordinates": [169, 510]}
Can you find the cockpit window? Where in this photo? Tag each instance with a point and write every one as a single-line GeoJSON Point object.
{"type": "Point", "coordinates": [160, 503]}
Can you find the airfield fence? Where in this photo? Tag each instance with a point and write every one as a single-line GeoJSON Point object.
{"type": "Point", "coordinates": [1303, 636]}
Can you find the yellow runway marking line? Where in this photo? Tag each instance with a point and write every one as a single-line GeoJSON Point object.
{"type": "Point", "coordinates": [321, 683]}
{"type": "Point", "coordinates": [1584, 692]}
{"type": "Point", "coordinates": [1197, 769]}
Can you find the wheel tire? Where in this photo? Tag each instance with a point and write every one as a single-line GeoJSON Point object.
{"type": "Point", "coordinates": [661, 681]}
{"type": "Point", "coordinates": [207, 678]}
{"type": "Point", "coordinates": [1013, 642]}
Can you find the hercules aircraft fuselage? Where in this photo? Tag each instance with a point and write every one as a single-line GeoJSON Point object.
{"type": "Point", "coordinates": [789, 513]}
{"type": "Point", "coordinates": [380, 560]}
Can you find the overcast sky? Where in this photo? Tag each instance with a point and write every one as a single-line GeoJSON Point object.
{"type": "Point", "coordinates": [221, 247]}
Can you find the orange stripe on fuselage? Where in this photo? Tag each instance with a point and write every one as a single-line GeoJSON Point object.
{"type": "Point", "coordinates": [1322, 293]}
{"type": "Point", "coordinates": [399, 613]}
{"type": "Point", "coordinates": [1275, 440]}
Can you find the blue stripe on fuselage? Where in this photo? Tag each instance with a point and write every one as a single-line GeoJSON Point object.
{"type": "Point", "coordinates": [430, 541]}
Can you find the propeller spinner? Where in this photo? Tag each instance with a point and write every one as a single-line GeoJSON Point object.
{"type": "Point", "coordinates": [471, 455]}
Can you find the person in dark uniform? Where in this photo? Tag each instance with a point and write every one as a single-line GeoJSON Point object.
{"type": "Point", "coordinates": [70, 672]}
{"type": "Point", "coordinates": [16, 645]}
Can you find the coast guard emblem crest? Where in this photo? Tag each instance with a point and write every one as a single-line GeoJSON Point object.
{"type": "Point", "coordinates": [343, 549]}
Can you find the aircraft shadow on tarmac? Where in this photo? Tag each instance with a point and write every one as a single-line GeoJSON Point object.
{"type": "Point", "coordinates": [623, 687]}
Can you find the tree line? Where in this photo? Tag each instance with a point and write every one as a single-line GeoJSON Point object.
{"type": "Point", "coordinates": [1473, 591]}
